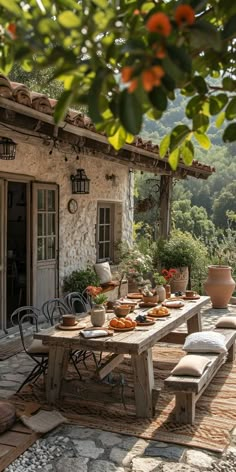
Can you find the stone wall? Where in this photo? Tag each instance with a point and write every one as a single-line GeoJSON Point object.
{"type": "Point", "coordinates": [77, 246]}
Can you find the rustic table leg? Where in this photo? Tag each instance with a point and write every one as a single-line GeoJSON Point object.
{"type": "Point", "coordinates": [194, 324]}
{"type": "Point", "coordinates": [57, 364]}
{"type": "Point", "coordinates": [143, 383]}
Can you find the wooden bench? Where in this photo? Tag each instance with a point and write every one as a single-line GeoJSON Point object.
{"type": "Point", "coordinates": [189, 389]}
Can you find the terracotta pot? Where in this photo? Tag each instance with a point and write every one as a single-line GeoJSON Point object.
{"type": "Point", "coordinates": [168, 290]}
{"type": "Point", "coordinates": [150, 299]}
{"type": "Point", "coordinates": [219, 285]}
{"type": "Point", "coordinates": [179, 281]}
{"type": "Point", "coordinates": [98, 315]}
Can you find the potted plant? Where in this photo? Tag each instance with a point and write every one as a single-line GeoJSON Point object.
{"type": "Point", "coordinates": [98, 311]}
{"type": "Point", "coordinates": [78, 281]}
{"type": "Point", "coordinates": [135, 265]}
{"type": "Point", "coordinates": [179, 253]}
{"type": "Point", "coordinates": [160, 281]}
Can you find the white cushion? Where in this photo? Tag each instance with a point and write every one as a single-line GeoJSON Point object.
{"type": "Point", "coordinates": [103, 271]}
{"type": "Point", "coordinates": [205, 341]}
{"type": "Point", "coordinates": [226, 322]}
{"type": "Point", "coordinates": [37, 347]}
{"type": "Point", "coordinates": [192, 365]}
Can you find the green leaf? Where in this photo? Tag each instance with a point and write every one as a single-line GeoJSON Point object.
{"type": "Point", "coordinates": [229, 84]}
{"type": "Point", "coordinates": [194, 106]}
{"type": "Point", "coordinates": [230, 133]}
{"type": "Point", "coordinates": [230, 111]}
{"type": "Point", "coordinates": [164, 145]}
{"type": "Point", "coordinates": [200, 122]}
{"type": "Point", "coordinates": [11, 5]}
{"type": "Point", "coordinates": [68, 19]}
{"type": "Point", "coordinates": [130, 112]}
{"type": "Point", "coordinates": [187, 152]}
{"type": "Point", "coordinates": [217, 103]}
{"type": "Point", "coordinates": [158, 98]}
{"type": "Point", "coordinates": [95, 95]}
{"type": "Point", "coordinates": [174, 159]}
{"type": "Point", "coordinates": [230, 28]}
{"type": "Point", "coordinates": [203, 34]}
{"type": "Point", "coordinates": [62, 105]}
{"type": "Point", "coordinates": [180, 57]}
{"type": "Point", "coordinates": [118, 139]}
{"type": "Point", "coordinates": [200, 85]}
{"type": "Point", "coordinates": [203, 140]}
{"type": "Point", "coordinates": [220, 119]}
{"type": "Point", "coordinates": [129, 138]}
{"type": "Point", "coordinates": [178, 135]}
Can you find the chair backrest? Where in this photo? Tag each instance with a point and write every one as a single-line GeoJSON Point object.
{"type": "Point", "coordinates": [53, 309]}
{"type": "Point", "coordinates": [88, 299]}
{"type": "Point", "coordinates": [74, 299]}
{"type": "Point", "coordinates": [22, 315]}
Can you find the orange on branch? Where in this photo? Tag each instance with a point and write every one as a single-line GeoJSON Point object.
{"type": "Point", "coordinates": [159, 23]}
{"type": "Point", "coordinates": [184, 15]}
{"type": "Point", "coordinates": [126, 73]}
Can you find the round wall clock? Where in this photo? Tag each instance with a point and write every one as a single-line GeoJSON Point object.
{"type": "Point", "coordinates": [72, 206]}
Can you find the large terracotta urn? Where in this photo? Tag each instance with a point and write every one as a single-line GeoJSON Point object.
{"type": "Point", "coordinates": [179, 280]}
{"type": "Point", "coordinates": [219, 285]}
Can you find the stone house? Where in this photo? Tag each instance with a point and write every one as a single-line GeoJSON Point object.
{"type": "Point", "coordinates": [46, 231]}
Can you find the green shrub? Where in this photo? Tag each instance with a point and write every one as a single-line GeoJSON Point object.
{"type": "Point", "coordinates": [79, 280]}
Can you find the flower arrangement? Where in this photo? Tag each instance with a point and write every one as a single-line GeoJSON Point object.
{"type": "Point", "coordinates": [96, 294]}
{"type": "Point", "coordinates": [168, 274]}
{"type": "Point", "coordinates": [134, 263]}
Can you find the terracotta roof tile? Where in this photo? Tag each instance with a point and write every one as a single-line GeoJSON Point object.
{"type": "Point", "coordinates": [21, 94]}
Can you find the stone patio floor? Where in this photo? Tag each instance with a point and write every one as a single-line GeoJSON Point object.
{"type": "Point", "coordinates": [78, 449]}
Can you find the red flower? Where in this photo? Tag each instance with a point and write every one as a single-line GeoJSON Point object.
{"type": "Point", "coordinates": [168, 274]}
{"type": "Point", "coordinates": [93, 291]}
{"type": "Point", "coordinates": [159, 23]}
{"type": "Point", "coordinates": [184, 15]}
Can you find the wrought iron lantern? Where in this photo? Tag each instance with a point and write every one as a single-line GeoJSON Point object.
{"type": "Point", "coordinates": [80, 182]}
{"type": "Point", "coordinates": [7, 149]}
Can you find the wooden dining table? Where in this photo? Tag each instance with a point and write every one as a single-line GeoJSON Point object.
{"type": "Point", "coordinates": [137, 343]}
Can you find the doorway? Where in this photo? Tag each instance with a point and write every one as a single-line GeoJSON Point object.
{"type": "Point", "coordinates": [16, 250]}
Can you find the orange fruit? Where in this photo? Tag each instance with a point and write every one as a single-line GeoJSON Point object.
{"type": "Point", "coordinates": [113, 322]}
{"type": "Point", "coordinates": [134, 324]}
{"type": "Point", "coordinates": [128, 323]}
{"type": "Point", "coordinates": [120, 324]}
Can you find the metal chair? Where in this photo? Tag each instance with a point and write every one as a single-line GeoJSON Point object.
{"type": "Point", "coordinates": [53, 309]}
{"type": "Point", "coordinates": [71, 299]}
{"type": "Point", "coordinates": [37, 351]}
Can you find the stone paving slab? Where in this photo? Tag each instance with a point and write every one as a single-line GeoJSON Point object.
{"type": "Point", "coordinates": [77, 449]}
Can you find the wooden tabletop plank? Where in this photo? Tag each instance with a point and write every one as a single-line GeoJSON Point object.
{"type": "Point", "coordinates": [133, 342]}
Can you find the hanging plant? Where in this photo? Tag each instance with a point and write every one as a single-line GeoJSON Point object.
{"type": "Point", "coordinates": [146, 204]}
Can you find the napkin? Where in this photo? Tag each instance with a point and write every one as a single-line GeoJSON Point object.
{"type": "Point", "coordinates": [94, 333]}
{"type": "Point", "coordinates": [174, 303]}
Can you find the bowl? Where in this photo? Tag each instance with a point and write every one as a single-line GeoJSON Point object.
{"type": "Point", "coordinates": [132, 305]}
{"type": "Point", "coordinates": [149, 299]}
{"type": "Point", "coordinates": [68, 320]}
{"type": "Point", "coordinates": [122, 310]}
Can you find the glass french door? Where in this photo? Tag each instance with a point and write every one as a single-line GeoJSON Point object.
{"type": "Point", "coordinates": [45, 242]}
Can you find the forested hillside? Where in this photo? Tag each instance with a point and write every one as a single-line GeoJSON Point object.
{"type": "Point", "coordinates": [198, 205]}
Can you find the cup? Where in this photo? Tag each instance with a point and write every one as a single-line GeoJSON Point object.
{"type": "Point", "coordinates": [68, 320]}
{"type": "Point", "coordinates": [190, 293]}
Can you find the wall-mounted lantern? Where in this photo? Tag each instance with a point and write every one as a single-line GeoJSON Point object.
{"type": "Point", "coordinates": [80, 182]}
{"type": "Point", "coordinates": [7, 149]}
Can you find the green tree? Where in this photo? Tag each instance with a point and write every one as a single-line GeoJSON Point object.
{"type": "Point", "coordinates": [127, 59]}
{"type": "Point", "coordinates": [226, 202]}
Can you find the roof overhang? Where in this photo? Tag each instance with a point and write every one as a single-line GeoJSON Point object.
{"type": "Point", "coordinates": [27, 125]}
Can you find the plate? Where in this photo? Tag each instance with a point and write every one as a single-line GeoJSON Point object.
{"type": "Point", "coordinates": [147, 305]}
{"type": "Point", "coordinates": [158, 316]}
{"type": "Point", "coordinates": [134, 296]}
{"type": "Point", "coordinates": [174, 304]}
{"type": "Point", "coordinates": [77, 325]}
{"type": "Point", "coordinates": [122, 329]}
{"type": "Point", "coordinates": [194, 297]}
{"type": "Point", "coordinates": [148, 322]}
